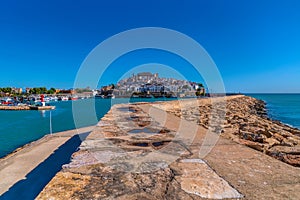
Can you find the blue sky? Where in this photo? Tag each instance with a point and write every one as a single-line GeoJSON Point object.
{"type": "Point", "coordinates": [255, 44]}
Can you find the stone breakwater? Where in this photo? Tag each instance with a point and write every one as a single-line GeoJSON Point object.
{"type": "Point", "coordinates": [14, 108]}
{"type": "Point", "coordinates": [137, 151]}
{"type": "Point", "coordinates": [27, 108]}
{"type": "Point", "coordinates": [246, 122]}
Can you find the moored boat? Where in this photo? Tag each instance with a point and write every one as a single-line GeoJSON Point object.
{"type": "Point", "coordinates": [74, 98]}
{"type": "Point", "coordinates": [63, 98]}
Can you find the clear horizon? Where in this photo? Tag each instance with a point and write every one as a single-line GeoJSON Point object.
{"type": "Point", "coordinates": [254, 44]}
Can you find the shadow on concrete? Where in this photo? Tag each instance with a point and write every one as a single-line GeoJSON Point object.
{"type": "Point", "coordinates": [39, 177]}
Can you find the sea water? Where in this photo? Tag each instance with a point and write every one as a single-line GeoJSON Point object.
{"type": "Point", "coordinates": [282, 107]}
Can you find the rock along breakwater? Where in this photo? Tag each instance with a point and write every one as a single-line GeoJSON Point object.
{"type": "Point", "coordinates": [247, 123]}
{"type": "Point", "coordinates": [134, 153]}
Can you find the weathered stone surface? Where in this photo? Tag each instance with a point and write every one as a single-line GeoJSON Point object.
{"type": "Point", "coordinates": [272, 142]}
{"type": "Point", "coordinates": [255, 145]}
{"type": "Point", "coordinates": [254, 174]}
{"type": "Point", "coordinates": [66, 184]}
{"type": "Point", "coordinates": [196, 177]}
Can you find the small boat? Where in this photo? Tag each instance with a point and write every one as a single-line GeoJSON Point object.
{"type": "Point", "coordinates": [37, 100]}
{"type": "Point", "coordinates": [109, 96]}
{"type": "Point", "coordinates": [46, 99]}
{"type": "Point", "coordinates": [74, 98]}
{"type": "Point", "coordinates": [53, 98]}
{"type": "Point", "coordinates": [7, 101]}
{"type": "Point", "coordinates": [64, 98]}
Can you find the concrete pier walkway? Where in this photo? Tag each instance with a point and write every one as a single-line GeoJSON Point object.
{"type": "Point", "coordinates": [16, 166]}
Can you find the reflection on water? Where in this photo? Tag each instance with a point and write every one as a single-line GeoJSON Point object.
{"type": "Point", "coordinates": [43, 113]}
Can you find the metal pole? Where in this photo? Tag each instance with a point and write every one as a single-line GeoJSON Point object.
{"type": "Point", "coordinates": [50, 123]}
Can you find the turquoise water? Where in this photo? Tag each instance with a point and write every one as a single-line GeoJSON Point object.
{"type": "Point", "coordinates": [20, 127]}
{"type": "Point", "coordinates": [282, 107]}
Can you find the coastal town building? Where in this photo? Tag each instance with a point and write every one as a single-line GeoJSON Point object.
{"type": "Point", "coordinates": [27, 90]}
{"type": "Point", "coordinates": [147, 82]}
{"type": "Point", "coordinates": [69, 91]}
{"type": "Point", "coordinates": [17, 90]}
